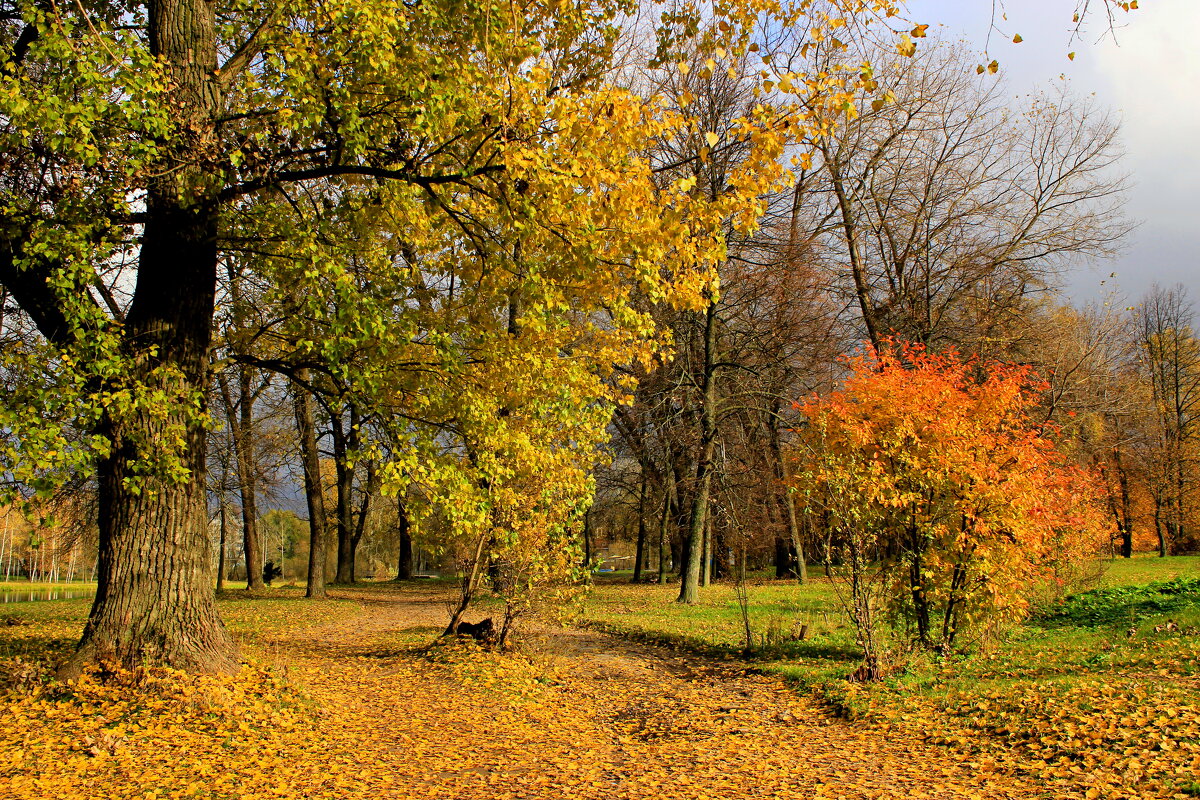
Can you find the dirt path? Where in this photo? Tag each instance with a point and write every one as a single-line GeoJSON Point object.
{"type": "Point", "coordinates": [586, 715]}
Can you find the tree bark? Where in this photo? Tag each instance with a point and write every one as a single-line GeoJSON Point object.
{"type": "Point", "coordinates": [404, 570]}
{"type": "Point", "coordinates": [240, 416]}
{"type": "Point", "coordinates": [690, 574]}
{"type": "Point", "coordinates": [640, 550]}
{"type": "Point", "coordinates": [799, 560]}
{"type": "Point", "coordinates": [783, 558]}
{"type": "Point", "coordinates": [311, 458]}
{"type": "Point", "coordinates": [1159, 527]}
{"type": "Point", "coordinates": [154, 599]}
{"type": "Point", "coordinates": [344, 443]}
{"type": "Point", "coordinates": [364, 508]}
{"type": "Point", "coordinates": [668, 484]}
{"type": "Point", "coordinates": [1124, 506]}
{"type": "Point", "coordinates": [221, 554]}
{"type": "Point", "coordinates": [850, 232]}
{"type": "Point", "coordinates": [587, 540]}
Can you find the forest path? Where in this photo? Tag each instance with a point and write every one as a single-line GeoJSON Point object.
{"type": "Point", "coordinates": [581, 714]}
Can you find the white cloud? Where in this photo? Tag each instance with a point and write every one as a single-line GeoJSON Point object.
{"type": "Point", "coordinates": [1151, 73]}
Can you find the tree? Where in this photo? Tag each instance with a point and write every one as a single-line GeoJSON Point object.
{"type": "Point", "coordinates": [404, 542]}
{"type": "Point", "coordinates": [1171, 367]}
{"type": "Point", "coordinates": [481, 141]}
{"type": "Point", "coordinates": [310, 459]}
{"type": "Point", "coordinates": [942, 208]}
{"type": "Point", "coordinates": [1095, 393]}
{"type": "Point", "coordinates": [946, 501]}
{"type": "Point", "coordinates": [462, 150]}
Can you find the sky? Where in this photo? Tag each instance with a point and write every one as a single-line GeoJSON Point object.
{"type": "Point", "coordinates": [1147, 70]}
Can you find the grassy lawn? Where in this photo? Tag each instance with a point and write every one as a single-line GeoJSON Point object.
{"type": "Point", "coordinates": [21, 585]}
{"type": "Point", "coordinates": [1145, 568]}
{"type": "Point", "coordinates": [1106, 683]}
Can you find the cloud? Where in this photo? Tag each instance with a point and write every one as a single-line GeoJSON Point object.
{"type": "Point", "coordinates": [1150, 73]}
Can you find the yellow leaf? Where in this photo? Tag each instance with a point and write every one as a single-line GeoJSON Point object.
{"type": "Point", "coordinates": [712, 139]}
{"type": "Point", "coordinates": [1017, 39]}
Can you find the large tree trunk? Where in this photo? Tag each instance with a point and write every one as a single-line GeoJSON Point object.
{"type": "Point", "coordinates": [404, 569]}
{"type": "Point", "coordinates": [690, 573]}
{"type": "Point", "coordinates": [312, 489]}
{"type": "Point", "coordinates": [640, 549]}
{"type": "Point", "coordinates": [664, 522]}
{"type": "Point", "coordinates": [342, 446]}
{"type": "Point", "coordinates": [154, 600]}
{"type": "Point", "coordinates": [221, 554]}
{"type": "Point", "coordinates": [587, 540]}
{"type": "Point", "coordinates": [367, 491]}
{"type": "Point", "coordinates": [240, 416]}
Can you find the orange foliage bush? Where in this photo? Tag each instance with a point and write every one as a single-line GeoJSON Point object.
{"type": "Point", "coordinates": [943, 497]}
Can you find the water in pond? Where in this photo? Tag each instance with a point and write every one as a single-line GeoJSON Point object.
{"type": "Point", "coordinates": [9, 595]}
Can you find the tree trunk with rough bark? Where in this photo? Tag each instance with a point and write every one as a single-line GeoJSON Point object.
{"type": "Point", "coordinates": [640, 549]}
{"type": "Point", "coordinates": [311, 458]}
{"type": "Point", "coordinates": [239, 413]}
{"type": "Point", "coordinates": [404, 569]}
{"type": "Point", "coordinates": [343, 444]}
{"type": "Point", "coordinates": [690, 572]}
{"type": "Point", "coordinates": [367, 491]}
{"type": "Point", "coordinates": [154, 599]}
{"type": "Point", "coordinates": [664, 522]}
{"type": "Point", "coordinates": [221, 554]}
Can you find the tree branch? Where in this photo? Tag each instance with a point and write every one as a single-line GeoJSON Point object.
{"type": "Point", "coordinates": [341, 170]}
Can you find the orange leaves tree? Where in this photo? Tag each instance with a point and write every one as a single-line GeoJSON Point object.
{"type": "Point", "coordinates": [944, 500]}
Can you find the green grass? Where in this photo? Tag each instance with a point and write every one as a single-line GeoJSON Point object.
{"type": "Point", "coordinates": [1125, 604]}
{"type": "Point", "coordinates": [1144, 568]}
{"type": "Point", "coordinates": [1114, 658]}
{"type": "Point", "coordinates": [1089, 634]}
{"type": "Point", "coordinates": [47, 631]}
{"type": "Point", "coordinates": [21, 585]}
{"type": "Point", "coordinates": [779, 612]}
{"type": "Point", "coordinates": [778, 609]}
